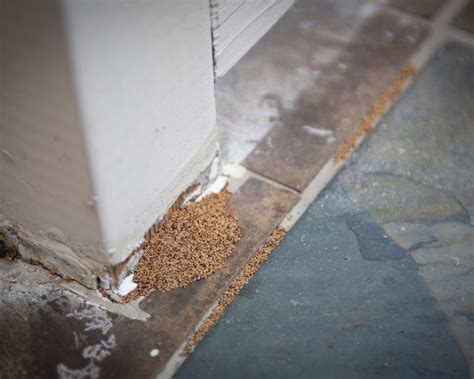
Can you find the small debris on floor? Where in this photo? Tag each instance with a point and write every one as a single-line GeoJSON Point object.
{"type": "Point", "coordinates": [154, 353]}
{"type": "Point", "coordinates": [190, 244]}
{"type": "Point", "coordinates": [456, 261]}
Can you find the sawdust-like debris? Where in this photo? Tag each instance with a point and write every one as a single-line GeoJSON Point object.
{"type": "Point", "coordinates": [374, 113]}
{"type": "Point", "coordinates": [237, 284]}
{"type": "Point", "coordinates": [191, 243]}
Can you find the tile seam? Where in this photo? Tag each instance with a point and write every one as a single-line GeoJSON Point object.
{"type": "Point", "coordinates": [273, 182]}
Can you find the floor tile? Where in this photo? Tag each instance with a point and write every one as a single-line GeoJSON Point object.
{"type": "Point", "coordinates": [375, 280]}
{"type": "Point", "coordinates": [303, 88]}
{"type": "Point", "coordinates": [465, 19]}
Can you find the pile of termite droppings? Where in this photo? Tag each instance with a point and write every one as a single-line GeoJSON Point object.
{"type": "Point", "coordinates": [191, 243]}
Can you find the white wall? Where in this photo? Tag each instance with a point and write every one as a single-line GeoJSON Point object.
{"type": "Point", "coordinates": [238, 25]}
{"type": "Point", "coordinates": [108, 115]}
{"type": "Point", "coordinates": [145, 88]}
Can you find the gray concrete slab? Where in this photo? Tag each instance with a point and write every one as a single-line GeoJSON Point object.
{"type": "Point", "coordinates": [377, 278]}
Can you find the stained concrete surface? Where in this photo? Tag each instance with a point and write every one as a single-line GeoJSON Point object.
{"type": "Point", "coordinates": [377, 278]}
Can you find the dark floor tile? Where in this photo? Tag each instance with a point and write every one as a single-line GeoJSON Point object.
{"type": "Point", "coordinates": [317, 73]}
{"type": "Point", "coordinates": [259, 208]}
{"type": "Point", "coordinates": [423, 8]}
{"type": "Point", "coordinates": [465, 19]}
{"type": "Point", "coordinates": [320, 309]}
{"type": "Point", "coordinates": [375, 280]}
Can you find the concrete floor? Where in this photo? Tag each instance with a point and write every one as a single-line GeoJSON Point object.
{"type": "Point", "coordinates": [377, 278]}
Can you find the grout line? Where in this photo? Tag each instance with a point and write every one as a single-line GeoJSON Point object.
{"type": "Point", "coordinates": [461, 36]}
{"type": "Point", "coordinates": [440, 28]}
{"type": "Point", "coordinates": [449, 11]}
{"type": "Point", "coordinates": [273, 182]}
{"type": "Point", "coordinates": [314, 188]}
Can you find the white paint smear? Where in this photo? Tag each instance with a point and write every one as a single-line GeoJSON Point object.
{"type": "Point", "coordinates": [215, 187]}
{"type": "Point", "coordinates": [127, 286]}
{"type": "Point", "coordinates": [321, 132]}
{"type": "Point", "coordinates": [95, 319]}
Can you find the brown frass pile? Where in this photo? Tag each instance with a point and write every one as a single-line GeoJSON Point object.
{"type": "Point", "coordinates": [237, 284]}
{"type": "Point", "coordinates": [190, 244]}
{"type": "Point", "coordinates": [366, 124]}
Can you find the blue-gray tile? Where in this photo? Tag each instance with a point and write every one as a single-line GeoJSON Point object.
{"type": "Point", "coordinates": [327, 303]}
{"type": "Point", "coordinates": [320, 309]}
